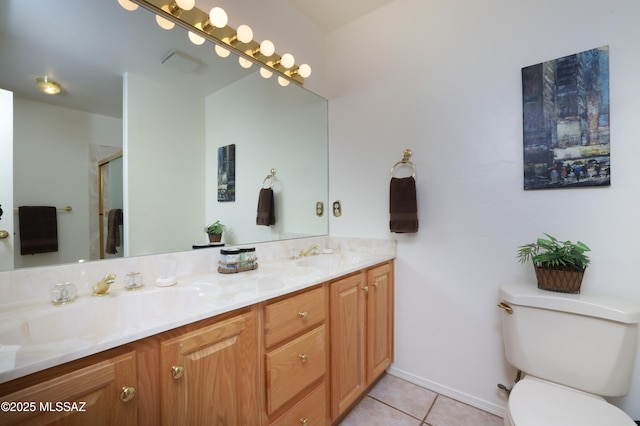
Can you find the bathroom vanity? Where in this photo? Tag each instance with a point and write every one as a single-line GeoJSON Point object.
{"type": "Point", "coordinates": [294, 342]}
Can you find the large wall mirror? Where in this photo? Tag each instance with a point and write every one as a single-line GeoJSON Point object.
{"type": "Point", "coordinates": [131, 132]}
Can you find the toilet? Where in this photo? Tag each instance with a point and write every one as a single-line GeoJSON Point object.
{"type": "Point", "coordinates": [574, 350]}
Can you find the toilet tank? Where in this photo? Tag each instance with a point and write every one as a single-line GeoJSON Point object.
{"type": "Point", "coordinates": [586, 342]}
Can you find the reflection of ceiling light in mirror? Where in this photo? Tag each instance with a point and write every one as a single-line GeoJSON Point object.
{"type": "Point", "coordinates": [283, 81]}
{"type": "Point", "coordinates": [221, 51]}
{"type": "Point", "coordinates": [163, 23]}
{"type": "Point", "coordinates": [195, 38]}
{"type": "Point", "coordinates": [265, 72]}
{"type": "Point", "coordinates": [47, 86]}
{"type": "Point", "coordinates": [244, 33]}
{"type": "Point", "coordinates": [304, 71]}
{"type": "Point", "coordinates": [128, 5]}
{"type": "Point", "coordinates": [186, 4]}
{"type": "Point", "coordinates": [287, 60]}
{"type": "Point", "coordinates": [244, 63]}
{"type": "Point", "coordinates": [218, 17]}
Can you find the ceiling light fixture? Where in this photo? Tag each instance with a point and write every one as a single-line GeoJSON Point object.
{"type": "Point", "coordinates": [47, 86]}
{"type": "Point", "coordinates": [212, 26]}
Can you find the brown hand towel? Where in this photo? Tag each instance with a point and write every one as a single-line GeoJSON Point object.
{"type": "Point", "coordinates": [38, 229]}
{"type": "Point", "coordinates": [403, 207]}
{"type": "Point", "coordinates": [113, 230]}
{"type": "Point", "coordinates": [266, 215]}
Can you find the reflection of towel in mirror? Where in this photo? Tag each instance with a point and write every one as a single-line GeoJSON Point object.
{"type": "Point", "coordinates": [266, 210]}
{"type": "Point", "coordinates": [403, 207]}
{"type": "Point", "coordinates": [113, 230]}
{"type": "Point", "coordinates": [38, 229]}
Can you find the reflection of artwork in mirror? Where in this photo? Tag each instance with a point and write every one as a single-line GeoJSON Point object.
{"type": "Point", "coordinates": [566, 121]}
{"type": "Point", "coordinates": [227, 173]}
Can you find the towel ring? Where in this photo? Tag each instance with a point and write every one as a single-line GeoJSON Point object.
{"type": "Point", "coordinates": [406, 155]}
{"type": "Point", "coordinates": [271, 178]}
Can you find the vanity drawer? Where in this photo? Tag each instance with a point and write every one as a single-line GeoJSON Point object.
{"type": "Point", "coordinates": [312, 408]}
{"type": "Point", "coordinates": [294, 366]}
{"type": "Point", "coordinates": [293, 315]}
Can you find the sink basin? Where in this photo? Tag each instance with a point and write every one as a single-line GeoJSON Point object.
{"type": "Point", "coordinates": [329, 260]}
{"type": "Point", "coordinates": [91, 318]}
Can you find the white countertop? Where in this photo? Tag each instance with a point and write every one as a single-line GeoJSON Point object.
{"type": "Point", "coordinates": [46, 335]}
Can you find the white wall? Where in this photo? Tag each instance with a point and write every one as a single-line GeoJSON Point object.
{"type": "Point", "coordinates": [164, 167]}
{"type": "Point", "coordinates": [443, 78]}
{"type": "Point", "coordinates": [6, 178]}
{"type": "Point", "coordinates": [52, 167]}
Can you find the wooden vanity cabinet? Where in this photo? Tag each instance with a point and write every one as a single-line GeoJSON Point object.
{"type": "Point", "coordinates": [210, 375]}
{"type": "Point", "coordinates": [99, 390]}
{"type": "Point", "coordinates": [361, 333]}
{"type": "Point", "coordinates": [296, 358]}
{"type": "Point", "coordinates": [267, 364]}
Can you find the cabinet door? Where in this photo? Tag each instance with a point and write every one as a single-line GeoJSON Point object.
{"type": "Point", "coordinates": [100, 394]}
{"type": "Point", "coordinates": [210, 376]}
{"type": "Point", "coordinates": [347, 317]}
{"type": "Point", "coordinates": [379, 320]}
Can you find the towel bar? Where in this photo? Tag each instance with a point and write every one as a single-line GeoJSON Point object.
{"type": "Point", "coordinates": [60, 209]}
{"type": "Point", "coordinates": [270, 177]}
{"type": "Point", "coordinates": [406, 155]}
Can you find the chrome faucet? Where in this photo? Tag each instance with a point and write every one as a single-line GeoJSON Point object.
{"type": "Point", "coordinates": [311, 250]}
{"type": "Point", "coordinates": [101, 288]}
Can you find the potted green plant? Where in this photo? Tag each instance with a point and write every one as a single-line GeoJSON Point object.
{"type": "Point", "coordinates": [559, 265]}
{"type": "Point", "coordinates": [214, 230]}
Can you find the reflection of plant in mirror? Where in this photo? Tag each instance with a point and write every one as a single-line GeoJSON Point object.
{"type": "Point", "coordinates": [215, 228]}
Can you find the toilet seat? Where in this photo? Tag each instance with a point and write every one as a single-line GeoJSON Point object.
{"type": "Point", "coordinates": [534, 402]}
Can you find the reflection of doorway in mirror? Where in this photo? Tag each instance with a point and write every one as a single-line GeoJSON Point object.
{"type": "Point", "coordinates": [110, 202]}
{"type": "Point", "coordinates": [227, 173]}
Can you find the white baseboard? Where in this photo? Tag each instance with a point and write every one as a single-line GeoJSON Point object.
{"type": "Point", "coordinates": [447, 391]}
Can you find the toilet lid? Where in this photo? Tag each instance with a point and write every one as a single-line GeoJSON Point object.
{"type": "Point", "coordinates": [533, 402]}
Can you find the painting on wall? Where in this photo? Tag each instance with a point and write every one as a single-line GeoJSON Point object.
{"type": "Point", "coordinates": [565, 106]}
{"type": "Point", "coordinates": [227, 173]}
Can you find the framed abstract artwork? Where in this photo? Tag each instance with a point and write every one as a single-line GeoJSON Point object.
{"type": "Point", "coordinates": [227, 173]}
{"type": "Point", "coordinates": [565, 105]}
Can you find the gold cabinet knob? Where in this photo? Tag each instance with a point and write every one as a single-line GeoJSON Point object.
{"type": "Point", "coordinates": [4, 234]}
{"type": "Point", "coordinates": [177, 371]}
{"type": "Point", "coordinates": [127, 393]}
{"type": "Point", "coordinates": [365, 288]}
{"type": "Point", "coordinates": [303, 357]}
{"type": "Point", "coordinates": [303, 315]}
{"type": "Point", "coordinates": [304, 421]}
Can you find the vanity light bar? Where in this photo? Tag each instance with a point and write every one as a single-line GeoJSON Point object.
{"type": "Point", "coordinates": [197, 22]}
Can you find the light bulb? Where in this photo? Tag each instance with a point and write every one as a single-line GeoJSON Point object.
{"type": "Point", "coordinates": [244, 63]}
{"type": "Point", "coordinates": [128, 5]}
{"type": "Point", "coordinates": [287, 60]}
{"type": "Point", "coordinates": [164, 23]}
{"type": "Point", "coordinates": [47, 86]}
{"type": "Point", "coordinates": [304, 71]}
{"type": "Point", "coordinates": [218, 17]}
{"type": "Point", "coordinates": [221, 51]}
{"type": "Point", "coordinates": [186, 4]}
{"type": "Point", "coordinates": [265, 73]}
{"type": "Point", "coordinates": [283, 81]}
{"type": "Point", "coordinates": [267, 48]}
{"type": "Point", "coordinates": [196, 39]}
{"type": "Point", "coordinates": [244, 33]}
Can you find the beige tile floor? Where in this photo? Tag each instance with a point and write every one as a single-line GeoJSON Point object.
{"type": "Point", "coordinates": [394, 401]}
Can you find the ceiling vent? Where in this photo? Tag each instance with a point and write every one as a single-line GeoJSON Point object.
{"type": "Point", "coordinates": [181, 61]}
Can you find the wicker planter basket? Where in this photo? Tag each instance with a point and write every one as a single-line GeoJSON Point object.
{"type": "Point", "coordinates": [561, 281]}
{"type": "Point", "coordinates": [215, 238]}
